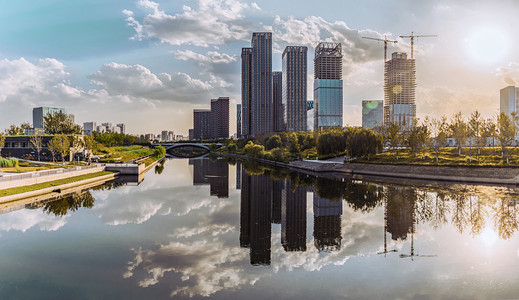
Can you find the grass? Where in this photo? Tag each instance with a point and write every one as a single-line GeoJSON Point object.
{"type": "Point", "coordinates": [448, 156]}
{"type": "Point", "coordinates": [124, 154]}
{"type": "Point", "coordinates": [39, 186]}
{"type": "Point", "coordinates": [25, 166]}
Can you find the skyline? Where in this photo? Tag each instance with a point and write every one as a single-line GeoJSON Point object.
{"type": "Point", "coordinates": [140, 59]}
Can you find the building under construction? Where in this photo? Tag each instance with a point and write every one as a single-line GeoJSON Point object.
{"type": "Point", "coordinates": [400, 90]}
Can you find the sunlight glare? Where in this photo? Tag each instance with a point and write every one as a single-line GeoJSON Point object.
{"type": "Point", "coordinates": [486, 45]}
{"type": "Point", "coordinates": [488, 236]}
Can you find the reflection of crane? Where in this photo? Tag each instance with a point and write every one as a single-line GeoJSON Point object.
{"type": "Point", "coordinates": [412, 36]}
{"type": "Point", "coordinates": [385, 40]}
{"type": "Point", "coordinates": [412, 250]}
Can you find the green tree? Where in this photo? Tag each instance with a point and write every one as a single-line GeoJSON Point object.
{"type": "Point", "coordinates": [440, 133]}
{"type": "Point", "coordinates": [475, 130]}
{"type": "Point", "coordinates": [505, 133]}
{"type": "Point", "coordinates": [90, 144]}
{"type": "Point", "coordinates": [393, 137]}
{"type": "Point", "coordinates": [459, 130]}
{"type": "Point", "coordinates": [59, 144]}
{"type": "Point", "coordinates": [274, 141]}
{"type": "Point", "coordinates": [60, 123]}
{"type": "Point", "coordinates": [37, 144]}
{"type": "Point", "coordinates": [253, 150]}
{"type": "Point", "coordinates": [14, 130]}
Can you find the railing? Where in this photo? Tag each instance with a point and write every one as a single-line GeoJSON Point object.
{"type": "Point", "coordinates": [44, 173]}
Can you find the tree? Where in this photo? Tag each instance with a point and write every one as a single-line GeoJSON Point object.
{"type": "Point", "coordinates": [14, 130]}
{"type": "Point", "coordinates": [488, 131]}
{"type": "Point", "coordinates": [36, 144]}
{"type": "Point", "coordinates": [505, 132]}
{"type": "Point", "coordinates": [440, 132]}
{"type": "Point", "coordinates": [89, 143]}
{"type": "Point", "coordinates": [59, 144]}
{"type": "Point", "coordinates": [2, 143]}
{"type": "Point", "coordinates": [25, 126]}
{"type": "Point", "coordinates": [59, 122]}
{"type": "Point", "coordinates": [475, 130]}
{"type": "Point", "coordinates": [459, 130]}
{"type": "Point", "coordinates": [274, 141]}
{"type": "Point", "coordinates": [76, 144]}
{"type": "Point", "coordinates": [393, 137]}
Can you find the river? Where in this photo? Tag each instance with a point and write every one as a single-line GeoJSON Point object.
{"type": "Point", "coordinates": [197, 228]}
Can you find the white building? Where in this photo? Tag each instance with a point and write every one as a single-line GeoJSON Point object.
{"type": "Point", "coordinates": [508, 100]}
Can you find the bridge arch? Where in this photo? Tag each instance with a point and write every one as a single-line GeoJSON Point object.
{"type": "Point", "coordinates": [178, 145]}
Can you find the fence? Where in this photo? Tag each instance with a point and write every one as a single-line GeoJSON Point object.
{"type": "Point", "coordinates": [44, 173]}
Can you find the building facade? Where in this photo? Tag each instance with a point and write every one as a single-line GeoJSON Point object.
{"type": "Point", "coordinates": [89, 128]}
{"type": "Point", "coordinates": [39, 112]}
{"type": "Point", "coordinates": [220, 118]}
{"type": "Point", "coordinates": [328, 86]}
{"type": "Point", "coordinates": [238, 120]}
{"type": "Point", "coordinates": [508, 100]}
{"type": "Point", "coordinates": [246, 90]}
{"type": "Point", "coordinates": [372, 113]}
{"type": "Point", "coordinates": [277, 100]}
{"type": "Point", "coordinates": [294, 62]}
{"type": "Point", "coordinates": [400, 90]}
{"type": "Point", "coordinates": [201, 124]}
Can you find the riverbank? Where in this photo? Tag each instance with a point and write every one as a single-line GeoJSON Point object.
{"type": "Point", "coordinates": [456, 174]}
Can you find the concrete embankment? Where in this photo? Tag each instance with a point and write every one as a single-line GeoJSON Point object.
{"type": "Point", "coordinates": [473, 175]}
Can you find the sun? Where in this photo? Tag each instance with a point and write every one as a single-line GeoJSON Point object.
{"type": "Point", "coordinates": [487, 45]}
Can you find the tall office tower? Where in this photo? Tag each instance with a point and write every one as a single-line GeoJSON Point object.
{"type": "Point", "coordinates": [399, 90]}
{"type": "Point", "coordinates": [372, 113]}
{"type": "Point", "coordinates": [261, 121]}
{"type": "Point", "coordinates": [508, 100]}
{"type": "Point", "coordinates": [122, 127]}
{"type": "Point", "coordinates": [238, 120]}
{"type": "Point", "coordinates": [293, 218]}
{"type": "Point", "coordinates": [39, 112]}
{"type": "Point", "coordinates": [277, 100]}
{"type": "Point", "coordinates": [89, 128]}
{"type": "Point", "coordinates": [327, 224]}
{"type": "Point", "coordinates": [201, 124]}
{"type": "Point", "coordinates": [309, 104]}
{"type": "Point", "coordinates": [294, 87]}
{"type": "Point", "coordinates": [327, 85]}
{"type": "Point", "coordinates": [246, 90]}
{"type": "Point", "coordinates": [220, 118]}
{"type": "Point", "coordinates": [399, 212]}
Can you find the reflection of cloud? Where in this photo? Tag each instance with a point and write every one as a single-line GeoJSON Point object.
{"type": "Point", "coordinates": [24, 220]}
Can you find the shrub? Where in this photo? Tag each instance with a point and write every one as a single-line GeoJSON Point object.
{"type": "Point", "coordinates": [160, 151]}
{"type": "Point", "coordinates": [8, 162]}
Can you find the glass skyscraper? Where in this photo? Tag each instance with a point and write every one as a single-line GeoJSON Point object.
{"type": "Point", "coordinates": [372, 113]}
{"type": "Point", "coordinates": [261, 110]}
{"type": "Point", "coordinates": [328, 90]}
{"type": "Point", "coordinates": [277, 100]}
{"type": "Point", "coordinates": [294, 87]}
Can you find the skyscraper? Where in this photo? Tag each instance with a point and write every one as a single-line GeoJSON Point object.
{"type": "Point", "coordinates": [39, 112]}
{"type": "Point", "coordinates": [328, 85]}
{"type": "Point", "coordinates": [220, 118]}
{"type": "Point", "coordinates": [508, 100]}
{"type": "Point", "coordinates": [372, 113]}
{"type": "Point", "coordinates": [294, 87]}
{"type": "Point", "coordinates": [201, 124]}
{"type": "Point", "coordinates": [246, 90]}
{"type": "Point", "coordinates": [238, 120]}
{"type": "Point", "coordinates": [399, 90]}
{"type": "Point", "coordinates": [257, 85]}
{"type": "Point", "coordinates": [277, 100]}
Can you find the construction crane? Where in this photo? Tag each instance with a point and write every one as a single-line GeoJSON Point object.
{"type": "Point", "coordinates": [385, 40]}
{"type": "Point", "coordinates": [412, 36]}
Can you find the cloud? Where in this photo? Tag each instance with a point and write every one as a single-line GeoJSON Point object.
{"type": "Point", "coordinates": [24, 220]}
{"type": "Point", "coordinates": [509, 73]}
{"type": "Point", "coordinates": [214, 22]}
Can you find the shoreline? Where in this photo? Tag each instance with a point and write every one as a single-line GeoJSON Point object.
{"type": "Point", "coordinates": [454, 174]}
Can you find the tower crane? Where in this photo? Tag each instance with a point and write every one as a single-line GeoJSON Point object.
{"type": "Point", "coordinates": [412, 36]}
{"type": "Point", "coordinates": [385, 40]}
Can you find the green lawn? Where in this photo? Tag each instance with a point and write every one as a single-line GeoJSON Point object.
{"type": "Point", "coordinates": [448, 156]}
{"type": "Point", "coordinates": [39, 186]}
{"type": "Point", "coordinates": [124, 154]}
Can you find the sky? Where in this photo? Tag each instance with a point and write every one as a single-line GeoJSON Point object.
{"type": "Point", "coordinates": [148, 64]}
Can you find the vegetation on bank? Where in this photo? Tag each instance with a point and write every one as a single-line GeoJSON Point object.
{"type": "Point", "coordinates": [39, 186]}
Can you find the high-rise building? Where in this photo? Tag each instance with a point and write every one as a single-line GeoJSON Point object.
{"type": "Point", "coordinates": [39, 112]}
{"type": "Point", "coordinates": [328, 91]}
{"type": "Point", "coordinates": [122, 127]}
{"type": "Point", "coordinates": [257, 85]}
{"type": "Point", "coordinates": [309, 104]}
{"type": "Point", "coordinates": [277, 100]}
{"type": "Point", "coordinates": [399, 90]}
{"type": "Point", "coordinates": [508, 100]}
{"type": "Point", "coordinates": [238, 120]}
{"type": "Point", "coordinates": [294, 87]}
{"type": "Point", "coordinates": [201, 124]}
{"type": "Point", "coordinates": [372, 113]}
{"type": "Point", "coordinates": [246, 90]}
{"type": "Point", "coordinates": [220, 118]}
{"type": "Point", "coordinates": [89, 128]}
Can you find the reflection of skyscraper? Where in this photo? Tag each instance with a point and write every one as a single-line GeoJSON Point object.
{"type": "Point", "coordinates": [293, 218]}
{"type": "Point", "coordinates": [277, 189]}
{"type": "Point", "coordinates": [327, 224]}
{"type": "Point", "coordinates": [256, 217]}
{"type": "Point", "coordinates": [216, 174]}
{"type": "Point", "coordinates": [399, 212]}
{"type": "Point", "coordinates": [238, 175]}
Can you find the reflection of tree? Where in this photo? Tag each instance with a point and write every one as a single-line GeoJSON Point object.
{"type": "Point", "coordinates": [460, 214]}
{"type": "Point", "coordinates": [107, 186]}
{"type": "Point", "coordinates": [477, 215]}
{"type": "Point", "coordinates": [439, 210]}
{"type": "Point", "coordinates": [363, 196]}
{"type": "Point", "coordinates": [329, 189]}
{"type": "Point", "coordinates": [505, 218]}
{"type": "Point", "coordinates": [70, 203]}
{"type": "Point", "coordinates": [159, 168]}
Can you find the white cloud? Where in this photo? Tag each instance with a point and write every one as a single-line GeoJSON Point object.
{"type": "Point", "coordinates": [24, 220]}
{"type": "Point", "coordinates": [509, 73]}
{"type": "Point", "coordinates": [214, 22]}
